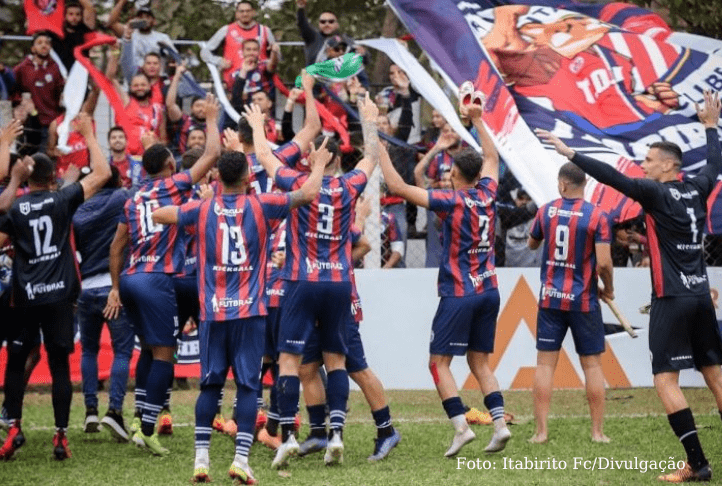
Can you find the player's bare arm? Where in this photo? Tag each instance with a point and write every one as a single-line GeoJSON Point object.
{"type": "Point", "coordinates": [490, 164]}
{"type": "Point", "coordinates": [20, 173]}
{"type": "Point", "coordinates": [312, 124]}
{"type": "Point", "coordinates": [100, 170]}
{"type": "Point", "coordinates": [361, 248]}
{"type": "Point", "coordinates": [311, 186]}
{"type": "Point", "coordinates": [396, 184]}
{"type": "Point", "coordinates": [115, 265]}
{"type": "Point", "coordinates": [213, 141]}
{"type": "Point", "coordinates": [8, 134]}
{"type": "Point", "coordinates": [166, 215]}
{"type": "Point", "coordinates": [533, 243]}
{"type": "Point", "coordinates": [368, 111]}
{"type": "Point", "coordinates": [256, 119]}
{"type": "Point", "coordinates": [174, 111]}
{"type": "Point", "coordinates": [605, 270]}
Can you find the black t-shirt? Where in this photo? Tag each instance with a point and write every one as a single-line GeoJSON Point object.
{"type": "Point", "coordinates": [44, 270]}
{"type": "Point", "coordinates": [65, 47]}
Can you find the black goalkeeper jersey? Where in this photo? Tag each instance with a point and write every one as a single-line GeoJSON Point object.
{"type": "Point", "coordinates": [675, 214]}
{"type": "Point", "coordinates": [44, 269]}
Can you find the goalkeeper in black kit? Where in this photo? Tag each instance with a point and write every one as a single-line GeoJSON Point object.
{"type": "Point", "coordinates": [683, 331]}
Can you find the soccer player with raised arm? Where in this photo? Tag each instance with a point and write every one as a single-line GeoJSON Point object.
{"type": "Point", "coordinates": [233, 232]}
{"type": "Point", "coordinates": [317, 272]}
{"type": "Point", "coordinates": [146, 286]}
{"type": "Point", "coordinates": [576, 236]}
{"type": "Point", "coordinates": [683, 331]}
{"type": "Point", "coordinates": [45, 283]}
{"type": "Point", "coordinates": [465, 322]}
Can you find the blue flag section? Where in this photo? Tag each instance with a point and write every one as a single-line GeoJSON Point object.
{"type": "Point", "coordinates": [607, 79]}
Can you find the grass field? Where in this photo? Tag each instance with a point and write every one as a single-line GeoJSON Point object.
{"type": "Point", "coordinates": [635, 422]}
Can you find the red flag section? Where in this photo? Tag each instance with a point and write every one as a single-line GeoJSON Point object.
{"type": "Point", "coordinates": [45, 15]}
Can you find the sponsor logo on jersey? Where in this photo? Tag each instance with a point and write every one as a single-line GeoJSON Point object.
{"type": "Point", "coordinates": [43, 288]}
{"type": "Point", "coordinates": [312, 265]}
{"type": "Point", "coordinates": [477, 280]}
{"type": "Point", "coordinates": [692, 280]}
{"type": "Point", "coordinates": [355, 306]}
{"type": "Point", "coordinates": [143, 259]}
{"type": "Point", "coordinates": [221, 211]}
{"type": "Point", "coordinates": [554, 211]}
{"type": "Point", "coordinates": [471, 203]}
{"type": "Point", "coordinates": [330, 191]}
{"type": "Point", "coordinates": [556, 294]}
{"type": "Point", "coordinates": [25, 208]}
{"type": "Point", "coordinates": [226, 302]}
{"type": "Point", "coordinates": [682, 195]}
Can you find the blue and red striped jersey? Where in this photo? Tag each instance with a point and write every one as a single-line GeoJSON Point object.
{"type": "Point", "coordinates": [468, 218]}
{"type": "Point", "coordinates": [156, 248]}
{"type": "Point", "coordinates": [318, 236]}
{"type": "Point", "coordinates": [233, 234]}
{"type": "Point", "coordinates": [275, 288]}
{"type": "Point", "coordinates": [438, 165]}
{"type": "Point", "coordinates": [258, 181]}
{"type": "Point", "coordinates": [570, 229]}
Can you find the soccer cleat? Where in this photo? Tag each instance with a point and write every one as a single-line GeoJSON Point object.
{"type": "Point", "coordinates": [60, 444]}
{"type": "Point", "coordinates": [273, 442]}
{"type": "Point", "coordinates": [687, 475]}
{"type": "Point", "coordinates": [5, 423]}
{"type": "Point", "coordinates": [165, 422]}
{"type": "Point", "coordinates": [91, 425]}
{"type": "Point", "coordinates": [284, 452]}
{"type": "Point", "coordinates": [230, 428]}
{"type": "Point", "coordinates": [200, 475]}
{"type": "Point", "coordinates": [134, 425]}
{"type": "Point", "coordinates": [334, 450]}
{"type": "Point", "coordinates": [498, 440]}
{"type": "Point", "coordinates": [460, 440]}
{"type": "Point", "coordinates": [137, 439]}
{"type": "Point", "coordinates": [242, 473]}
{"type": "Point", "coordinates": [113, 420]}
{"type": "Point", "coordinates": [312, 444]}
{"type": "Point", "coordinates": [476, 417]}
{"type": "Point", "coordinates": [152, 443]}
{"type": "Point", "coordinates": [466, 92]}
{"type": "Point", "coordinates": [13, 441]}
{"type": "Point", "coordinates": [383, 446]}
{"type": "Point", "coordinates": [218, 423]}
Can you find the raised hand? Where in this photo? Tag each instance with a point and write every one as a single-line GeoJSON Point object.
{"type": "Point", "coordinates": [321, 156]}
{"type": "Point", "coordinates": [212, 107]}
{"type": "Point", "coordinates": [255, 116]}
{"type": "Point", "coordinates": [559, 146]}
{"type": "Point", "coordinates": [12, 131]}
{"type": "Point", "coordinates": [367, 108]}
{"type": "Point", "coordinates": [231, 141]}
{"type": "Point", "coordinates": [709, 113]}
{"type": "Point", "coordinates": [307, 81]}
{"type": "Point", "coordinates": [83, 124]}
{"type": "Point", "coordinates": [22, 169]}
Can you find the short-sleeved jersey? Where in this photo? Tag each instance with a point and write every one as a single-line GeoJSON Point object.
{"type": "Point", "coordinates": [675, 214]}
{"type": "Point", "coordinates": [438, 165]}
{"type": "Point", "coordinates": [233, 233]}
{"type": "Point", "coordinates": [259, 182]}
{"type": "Point", "coordinates": [318, 236]}
{"type": "Point", "coordinates": [45, 270]}
{"type": "Point", "coordinates": [468, 219]}
{"type": "Point", "coordinates": [156, 248]}
{"type": "Point", "coordinates": [274, 283]}
{"type": "Point", "coordinates": [570, 229]}
{"type": "Point", "coordinates": [391, 240]}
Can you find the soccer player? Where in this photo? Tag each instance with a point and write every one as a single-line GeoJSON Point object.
{"type": "Point", "coordinates": [683, 330]}
{"type": "Point", "coordinates": [317, 271]}
{"type": "Point", "coordinates": [45, 283]}
{"type": "Point", "coordinates": [146, 286]}
{"type": "Point", "coordinates": [577, 239]}
{"type": "Point", "coordinates": [233, 231]}
{"type": "Point", "coordinates": [465, 322]}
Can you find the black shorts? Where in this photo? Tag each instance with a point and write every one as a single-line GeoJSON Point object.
{"type": "Point", "coordinates": [683, 333]}
{"type": "Point", "coordinates": [55, 320]}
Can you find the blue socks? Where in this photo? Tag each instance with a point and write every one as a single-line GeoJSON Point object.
{"type": "Point", "coordinates": [156, 388]}
{"type": "Point", "coordinates": [337, 398]}
{"type": "Point", "coordinates": [288, 394]}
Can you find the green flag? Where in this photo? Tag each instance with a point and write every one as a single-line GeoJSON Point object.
{"type": "Point", "coordinates": [335, 70]}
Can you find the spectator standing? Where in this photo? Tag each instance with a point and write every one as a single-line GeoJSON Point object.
{"type": "Point", "coordinates": [79, 21]}
{"type": "Point", "coordinates": [396, 98]}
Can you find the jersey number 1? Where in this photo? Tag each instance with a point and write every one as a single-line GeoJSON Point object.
{"type": "Point", "coordinates": [234, 252]}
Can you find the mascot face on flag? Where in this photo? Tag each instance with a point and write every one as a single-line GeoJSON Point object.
{"type": "Point", "coordinates": [46, 7]}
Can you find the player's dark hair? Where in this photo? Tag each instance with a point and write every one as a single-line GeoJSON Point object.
{"type": "Point", "coordinates": [138, 75]}
{"type": "Point", "coordinates": [468, 161]}
{"type": "Point", "coordinates": [154, 158]}
{"type": "Point", "coordinates": [232, 167]}
{"type": "Point", "coordinates": [196, 98]}
{"type": "Point", "coordinates": [152, 54]}
{"type": "Point", "coordinates": [42, 33]}
{"type": "Point", "coordinates": [44, 170]}
{"type": "Point", "coordinates": [260, 91]}
{"type": "Point", "coordinates": [245, 132]}
{"type": "Point", "coordinates": [671, 149]}
{"type": "Point", "coordinates": [116, 128]}
{"type": "Point", "coordinates": [190, 157]}
{"type": "Point", "coordinates": [572, 174]}
{"type": "Point", "coordinates": [72, 3]}
{"type": "Point", "coordinates": [331, 146]}
{"type": "Point", "coordinates": [114, 181]}
{"type": "Point", "coordinates": [246, 1]}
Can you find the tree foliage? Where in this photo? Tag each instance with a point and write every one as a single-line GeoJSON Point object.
{"type": "Point", "coordinates": [702, 17]}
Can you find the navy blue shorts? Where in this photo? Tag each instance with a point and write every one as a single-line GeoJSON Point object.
{"type": "Point", "coordinates": [355, 356]}
{"type": "Point", "coordinates": [465, 323]}
{"type": "Point", "coordinates": [587, 330]}
{"type": "Point", "coordinates": [149, 299]}
{"type": "Point", "coordinates": [235, 344]}
{"type": "Point", "coordinates": [273, 320]}
{"type": "Point", "coordinates": [307, 304]}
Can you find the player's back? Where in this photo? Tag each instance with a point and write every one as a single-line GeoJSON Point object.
{"type": "Point", "coordinates": [318, 241]}
{"type": "Point", "coordinates": [570, 229]}
{"type": "Point", "coordinates": [156, 248]}
{"type": "Point", "coordinates": [467, 260]}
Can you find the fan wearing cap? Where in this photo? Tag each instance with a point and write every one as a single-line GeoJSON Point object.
{"type": "Point", "coordinates": [233, 36]}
